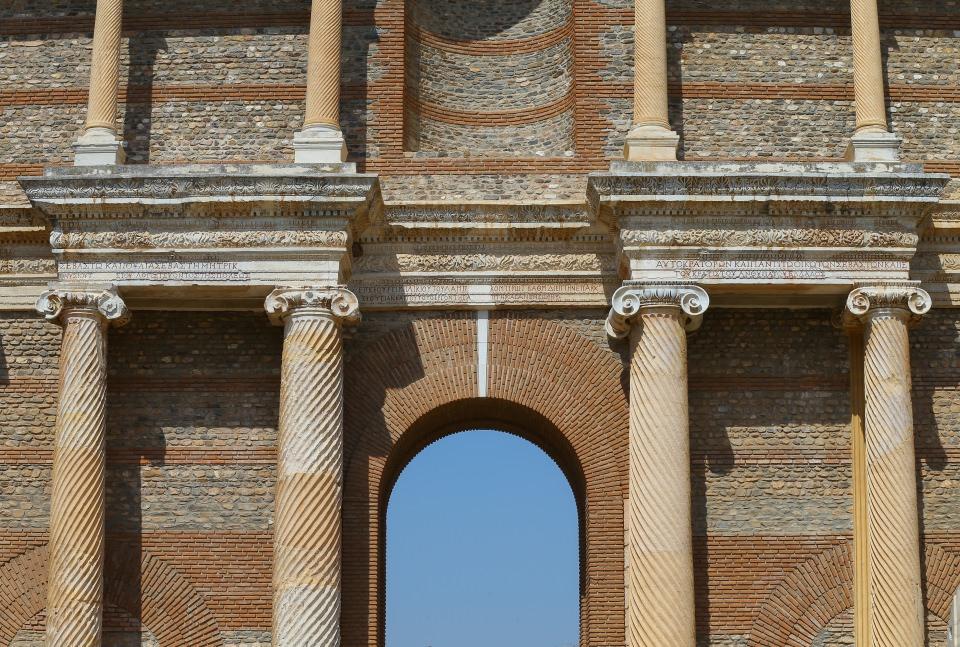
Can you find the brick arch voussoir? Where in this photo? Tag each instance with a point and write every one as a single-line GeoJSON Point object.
{"type": "Point", "coordinates": [170, 608]}
{"type": "Point", "coordinates": [806, 600]}
{"type": "Point", "coordinates": [23, 588]}
{"type": "Point", "coordinates": [942, 578]}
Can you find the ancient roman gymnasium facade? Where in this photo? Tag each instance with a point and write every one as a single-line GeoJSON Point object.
{"type": "Point", "coordinates": [704, 254]}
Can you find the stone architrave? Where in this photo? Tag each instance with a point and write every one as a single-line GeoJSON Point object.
{"type": "Point", "coordinates": [660, 608]}
{"type": "Point", "coordinates": [75, 580]}
{"type": "Point", "coordinates": [886, 310]}
{"type": "Point", "coordinates": [872, 141]}
{"type": "Point", "coordinates": [321, 140]}
{"type": "Point", "coordinates": [307, 527]}
{"type": "Point", "coordinates": [650, 137]}
{"type": "Point", "coordinates": [99, 144]}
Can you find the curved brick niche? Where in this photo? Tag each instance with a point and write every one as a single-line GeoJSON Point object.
{"type": "Point", "coordinates": [489, 77]}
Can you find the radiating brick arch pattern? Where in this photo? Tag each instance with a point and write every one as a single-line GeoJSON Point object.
{"type": "Point", "coordinates": [547, 383]}
{"type": "Point", "coordinates": [942, 579]}
{"type": "Point", "coordinates": [806, 600]}
{"type": "Point", "coordinates": [174, 612]}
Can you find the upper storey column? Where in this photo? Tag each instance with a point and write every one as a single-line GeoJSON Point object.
{"type": "Point", "coordinates": [307, 527]}
{"type": "Point", "coordinates": [660, 598]}
{"type": "Point", "coordinates": [99, 144]}
{"type": "Point", "coordinates": [893, 537]}
{"type": "Point", "coordinates": [650, 137]}
{"type": "Point", "coordinates": [872, 142]}
{"type": "Point", "coordinates": [75, 580]}
{"type": "Point", "coordinates": [321, 140]}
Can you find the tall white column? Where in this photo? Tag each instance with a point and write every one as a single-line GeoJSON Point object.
{"type": "Point", "coordinates": [307, 525]}
{"type": "Point", "coordinates": [872, 141]}
{"type": "Point", "coordinates": [99, 144]}
{"type": "Point", "coordinates": [660, 607]}
{"type": "Point", "coordinates": [650, 137]}
{"type": "Point", "coordinates": [893, 535]}
{"type": "Point", "coordinates": [321, 140]}
{"type": "Point", "coordinates": [75, 579]}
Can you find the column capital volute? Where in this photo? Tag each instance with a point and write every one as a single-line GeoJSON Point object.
{"type": "Point", "coordinates": [888, 298]}
{"type": "Point", "coordinates": [633, 297]}
{"type": "Point", "coordinates": [103, 303]}
{"type": "Point", "coordinates": [336, 302]}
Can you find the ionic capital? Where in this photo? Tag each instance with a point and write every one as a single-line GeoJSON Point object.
{"type": "Point", "coordinates": [899, 298]}
{"type": "Point", "coordinates": [633, 297]}
{"type": "Point", "coordinates": [337, 302]}
{"type": "Point", "coordinates": [104, 303]}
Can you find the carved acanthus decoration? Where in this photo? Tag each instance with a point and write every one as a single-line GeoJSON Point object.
{"type": "Point", "coordinates": [867, 300]}
{"type": "Point", "coordinates": [196, 239]}
{"type": "Point", "coordinates": [106, 303]}
{"type": "Point", "coordinates": [481, 262]}
{"type": "Point", "coordinates": [769, 236]}
{"type": "Point", "coordinates": [633, 297]}
{"type": "Point", "coordinates": [28, 266]}
{"type": "Point", "coordinates": [341, 303]}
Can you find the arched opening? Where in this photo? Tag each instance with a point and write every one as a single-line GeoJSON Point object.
{"type": "Point", "coordinates": [483, 538]}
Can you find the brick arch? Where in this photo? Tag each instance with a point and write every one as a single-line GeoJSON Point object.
{"type": "Point", "coordinates": [171, 608]}
{"type": "Point", "coordinates": [941, 579]}
{"type": "Point", "coordinates": [547, 383]}
{"type": "Point", "coordinates": [806, 600]}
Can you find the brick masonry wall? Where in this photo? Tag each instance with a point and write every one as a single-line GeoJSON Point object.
{"type": "Point", "coordinates": [751, 80]}
{"type": "Point", "coordinates": [191, 436]}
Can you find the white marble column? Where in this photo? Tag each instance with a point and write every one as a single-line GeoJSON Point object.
{"type": "Point", "coordinates": [893, 535]}
{"type": "Point", "coordinates": [307, 525]}
{"type": "Point", "coordinates": [75, 579]}
{"type": "Point", "coordinates": [321, 140]}
{"type": "Point", "coordinates": [872, 141]}
{"type": "Point", "coordinates": [99, 144]}
{"type": "Point", "coordinates": [660, 607]}
{"type": "Point", "coordinates": [650, 137]}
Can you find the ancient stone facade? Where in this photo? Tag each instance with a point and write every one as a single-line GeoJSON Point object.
{"type": "Point", "coordinates": [705, 255]}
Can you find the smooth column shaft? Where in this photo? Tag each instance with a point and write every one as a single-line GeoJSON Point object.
{"type": "Point", "coordinates": [660, 602]}
{"type": "Point", "coordinates": [867, 66]}
{"type": "Point", "coordinates": [650, 105]}
{"type": "Point", "coordinates": [105, 66]}
{"type": "Point", "coordinates": [75, 589]}
{"type": "Point", "coordinates": [306, 579]}
{"type": "Point", "coordinates": [323, 64]}
{"type": "Point", "coordinates": [896, 609]}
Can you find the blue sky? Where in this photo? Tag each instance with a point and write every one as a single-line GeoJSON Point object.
{"type": "Point", "coordinates": [482, 547]}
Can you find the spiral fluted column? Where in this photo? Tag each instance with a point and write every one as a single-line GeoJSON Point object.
{"type": "Point", "coordinates": [307, 532]}
{"type": "Point", "coordinates": [99, 144]}
{"type": "Point", "coordinates": [660, 589]}
{"type": "Point", "coordinates": [872, 141]}
{"type": "Point", "coordinates": [75, 579]}
{"type": "Point", "coordinates": [321, 140]}
{"type": "Point", "coordinates": [650, 137]}
{"type": "Point", "coordinates": [893, 537]}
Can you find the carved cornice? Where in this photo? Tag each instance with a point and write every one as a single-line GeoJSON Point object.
{"type": "Point", "coordinates": [105, 303]}
{"type": "Point", "coordinates": [769, 236]}
{"type": "Point", "coordinates": [206, 184]}
{"type": "Point", "coordinates": [338, 302]}
{"type": "Point", "coordinates": [634, 296]}
{"type": "Point", "coordinates": [143, 240]}
{"type": "Point", "coordinates": [902, 298]}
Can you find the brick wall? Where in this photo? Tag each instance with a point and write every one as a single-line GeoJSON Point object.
{"type": "Point", "coordinates": [191, 435]}
{"type": "Point", "coordinates": [751, 80]}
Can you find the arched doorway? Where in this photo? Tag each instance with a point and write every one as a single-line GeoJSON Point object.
{"type": "Point", "coordinates": [482, 547]}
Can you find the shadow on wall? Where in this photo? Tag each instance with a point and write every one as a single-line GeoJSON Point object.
{"type": "Point", "coordinates": [137, 118]}
{"type": "Point", "coordinates": [675, 87]}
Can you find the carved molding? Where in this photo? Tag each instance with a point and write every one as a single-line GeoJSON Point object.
{"type": "Point", "coordinates": [772, 235]}
{"type": "Point", "coordinates": [196, 239]}
{"type": "Point", "coordinates": [341, 303]}
{"type": "Point", "coordinates": [632, 297]}
{"type": "Point", "coordinates": [53, 303]}
{"type": "Point", "coordinates": [482, 262]}
{"type": "Point", "coordinates": [866, 301]}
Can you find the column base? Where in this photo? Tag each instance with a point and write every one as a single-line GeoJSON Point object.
{"type": "Point", "coordinates": [874, 146]}
{"type": "Point", "coordinates": [319, 145]}
{"type": "Point", "coordinates": [651, 143]}
{"type": "Point", "coordinates": [99, 147]}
